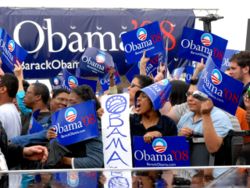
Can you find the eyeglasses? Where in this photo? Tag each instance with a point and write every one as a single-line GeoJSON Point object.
{"type": "Point", "coordinates": [134, 85]}
{"type": "Point", "coordinates": [189, 94]}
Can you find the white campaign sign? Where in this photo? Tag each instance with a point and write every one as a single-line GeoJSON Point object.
{"type": "Point", "coordinates": [116, 140]}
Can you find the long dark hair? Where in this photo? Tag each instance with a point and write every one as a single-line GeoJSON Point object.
{"type": "Point", "coordinates": [85, 92]}
{"type": "Point", "coordinates": [178, 93]}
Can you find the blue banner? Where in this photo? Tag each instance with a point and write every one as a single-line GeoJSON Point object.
{"type": "Point", "coordinates": [95, 62]}
{"type": "Point", "coordinates": [147, 38]}
{"type": "Point", "coordinates": [196, 44]}
{"type": "Point", "coordinates": [76, 123]}
{"type": "Point", "coordinates": [228, 54]}
{"type": "Point", "coordinates": [56, 38]}
{"type": "Point", "coordinates": [168, 151]}
{"type": "Point", "coordinates": [70, 81]}
{"type": "Point", "coordinates": [224, 90]}
{"type": "Point", "coordinates": [158, 93]}
{"type": "Point", "coordinates": [11, 52]}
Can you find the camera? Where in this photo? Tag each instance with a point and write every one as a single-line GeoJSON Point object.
{"type": "Point", "coordinates": [200, 95]}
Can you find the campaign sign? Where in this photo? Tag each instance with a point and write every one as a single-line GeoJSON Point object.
{"type": "Point", "coordinates": [35, 125]}
{"type": "Point", "coordinates": [167, 151]}
{"type": "Point", "coordinates": [158, 93]}
{"type": "Point", "coordinates": [224, 90]}
{"type": "Point", "coordinates": [10, 51]}
{"type": "Point", "coordinates": [189, 73]}
{"type": "Point", "coordinates": [71, 81]}
{"type": "Point", "coordinates": [95, 62]}
{"type": "Point", "coordinates": [151, 68]}
{"type": "Point", "coordinates": [76, 179]}
{"type": "Point", "coordinates": [147, 38]}
{"type": "Point", "coordinates": [228, 54]}
{"type": "Point", "coordinates": [196, 44]}
{"type": "Point", "coordinates": [116, 140]}
{"type": "Point", "coordinates": [177, 73]}
{"type": "Point", "coordinates": [56, 82]}
{"type": "Point", "coordinates": [76, 123]}
{"type": "Point", "coordinates": [105, 82]}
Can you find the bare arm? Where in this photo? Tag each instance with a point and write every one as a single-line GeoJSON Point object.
{"type": "Point", "coordinates": [212, 140]}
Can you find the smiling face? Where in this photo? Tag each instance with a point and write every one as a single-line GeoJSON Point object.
{"type": "Point", "coordinates": [59, 102]}
{"type": "Point", "coordinates": [143, 104]}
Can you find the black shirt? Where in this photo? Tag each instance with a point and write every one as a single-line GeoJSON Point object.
{"type": "Point", "coordinates": [165, 126]}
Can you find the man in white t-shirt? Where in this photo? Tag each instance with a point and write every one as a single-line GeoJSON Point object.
{"type": "Point", "coordinates": [9, 115]}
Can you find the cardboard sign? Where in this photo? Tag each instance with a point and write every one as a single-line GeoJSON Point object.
{"type": "Point", "coordinates": [224, 90]}
{"type": "Point", "coordinates": [196, 44]}
{"type": "Point", "coordinates": [76, 123]}
{"type": "Point", "coordinates": [168, 151]}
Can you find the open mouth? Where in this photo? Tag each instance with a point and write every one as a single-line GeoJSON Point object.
{"type": "Point", "coordinates": [138, 106]}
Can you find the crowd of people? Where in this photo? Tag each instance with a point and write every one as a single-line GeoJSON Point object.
{"type": "Point", "coordinates": [23, 105]}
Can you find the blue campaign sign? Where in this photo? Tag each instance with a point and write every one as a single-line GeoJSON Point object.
{"type": "Point", "coordinates": [105, 82]}
{"type": "Point", "coordinates": [56, 82]}
{"type": "Point", "coordinates": [196, 44]}
{"type": "Point", "coordinates": [75, 179]}
{"type": "Point", "coordinates": [76, 123]}
{"type": "Point", "coordinates": [168, 151]}
{"type": "Point", "coordinates": [95, 62]}
{"type": "Point", "coordinates": [158, 93]}
{"type": "Point", "coordinates": [151, 68]}
{"type": "Point", "coordinates": [70, 81]}
{"type": "Point", "coordinates": [228, 54]}
{"type": "Point", "coordinates": [224, 90]}
{"type": "Point", "coordinates": [147, 38]}
{"type": "Point", "coordinates": [189, 73]}
{"type": "Point", "coordinates": [177, 73]}
{"type": "Point", "coordinates": [11, 52]}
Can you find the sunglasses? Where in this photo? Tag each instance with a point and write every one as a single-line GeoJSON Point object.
{"type": "Point", "coordinates": [189, 94]}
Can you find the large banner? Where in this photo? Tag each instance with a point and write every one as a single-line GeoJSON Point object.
{"type": "Point", "coordinates": [56, 38]}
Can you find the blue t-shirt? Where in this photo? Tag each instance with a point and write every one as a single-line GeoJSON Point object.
{"type": "Point", "coordinates": [220, 120]}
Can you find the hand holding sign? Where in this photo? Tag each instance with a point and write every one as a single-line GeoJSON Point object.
{"type": "Point", "coordinates": [18, 70]}
{"type": "Point", "coordinates": [51, 133]}
{"type": "Point", "coordinates": [143, 63]}
{"type": "Point", "coordinates": [149, 136]}
{"type": "Point", "coordinates": [185, 131]}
